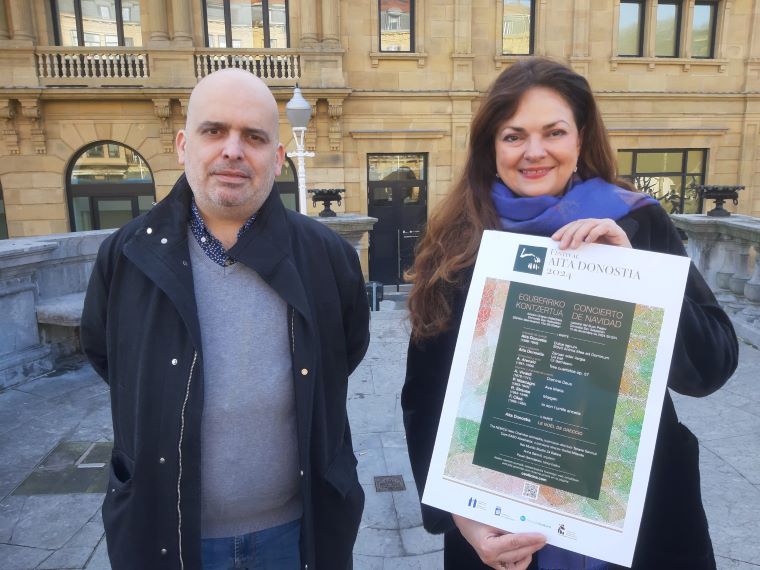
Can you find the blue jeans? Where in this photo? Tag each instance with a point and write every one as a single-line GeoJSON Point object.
{"type": "Point", "coordinates": [275, 548]}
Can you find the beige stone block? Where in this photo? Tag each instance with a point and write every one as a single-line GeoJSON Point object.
{"type": "Point", "coordinates": [351, 175]}
{"type": "Point", "coordinates": [45, 227]}
{"type": "Point", "coordinates": [164, 162]}
{"type": "Point", "coordinates": [29, 196]}
{"type": "Point", "coordinates": [443, 173]}
{"type": "Point", "coordinates": [31, 163]}
{"type": "Point", "coordinates": [24, 212]}
{"type": "Point", "coordinates": [49, 163]}
{"type": "Point", "coordinates": [103, 131]}
{"type": "Point", "coordinates": [71, 136]}
{"type": "Point", "coordinates": [87, 132]}
{"type": "Point", "coordinates": [373, 79]}
{"type": "Point", "coordinates": [120, 131]}
{"type": "Point", "coordinates": [729, 153]}
{"type": "Point", "coordinates": [724, 167]}
{"type": "Point", "coordinates": [732, 139]}
{"type": "Point", "coordinates": [18, 68]}
{"type": "Point", "coordinates": [149, 148]}
{"type": "Point", "coordinates": [136, 136]}
{"type": "Point", "coordinates": [327, 159]}
{"type": "Point", "coordinates": [441, 29]}
{"type": "Point", "coordinates": [34, 180]}
{"type": "Point", "coordinates": [166, 178]}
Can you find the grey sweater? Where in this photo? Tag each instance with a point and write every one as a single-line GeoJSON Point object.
{"type": "Point", "coordinates": [249, 459]}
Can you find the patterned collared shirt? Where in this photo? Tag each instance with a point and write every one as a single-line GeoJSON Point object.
{"type": "Point", "coordinates": [209, 244]}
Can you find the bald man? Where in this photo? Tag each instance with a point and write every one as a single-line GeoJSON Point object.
{"type": "Point", "coordinates": [226, 327]}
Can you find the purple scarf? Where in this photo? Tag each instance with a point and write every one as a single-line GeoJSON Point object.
{"type": "Point", "coordinates": [544, 215]}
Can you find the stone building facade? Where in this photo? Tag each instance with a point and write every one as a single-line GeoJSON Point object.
{"type": "Point", "coordinates": [94, 91]}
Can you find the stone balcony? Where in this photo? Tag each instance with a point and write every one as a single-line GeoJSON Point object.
{"type": "Point", "coordinates": [727, 253]}
{"type": "Point", "coordinates": [165, 68]}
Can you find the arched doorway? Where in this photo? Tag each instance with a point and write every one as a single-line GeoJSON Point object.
{"type": "Point", "coordinates": [107, 184]}
{"type": "Point", "coordinates": [287, 185]}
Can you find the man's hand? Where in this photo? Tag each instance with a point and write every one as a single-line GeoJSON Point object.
{"type": "Point", "coordinates": [590, 230]}
{"type": "Point", "coordinates": [498, 549]}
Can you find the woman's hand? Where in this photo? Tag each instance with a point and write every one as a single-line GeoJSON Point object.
{"type": "Point", "coordinates": [498, 549]}
{"type": "Point", "coordinates": [590, 230]}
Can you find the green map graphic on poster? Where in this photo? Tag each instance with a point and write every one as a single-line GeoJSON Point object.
{"type": "Point", "coordinates": [608, 503]}
{"type": "Point", "coordinates": [554, 387]}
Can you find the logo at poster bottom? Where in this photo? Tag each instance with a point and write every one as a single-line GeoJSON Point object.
{"type": "Point", "coordinates": [562, 530]}
{"type": "Point", "coordinates": [477, 504]}
{"type": "Point", "coordinates": [530, 259]}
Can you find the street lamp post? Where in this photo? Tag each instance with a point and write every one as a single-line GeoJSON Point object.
{"type": "Point", "coordinates": [298, 111]}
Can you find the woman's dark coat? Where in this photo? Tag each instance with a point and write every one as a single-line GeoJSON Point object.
{"type": "Point", "coordinates": [674, 532]}
{"type": "Point", "coordinates": [141, 333]}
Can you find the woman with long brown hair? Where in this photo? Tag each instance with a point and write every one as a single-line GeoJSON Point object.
{"type": "Point", "coordinates": [540, 162]}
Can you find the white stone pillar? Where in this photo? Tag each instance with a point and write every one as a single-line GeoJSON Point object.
{"type": "Point", "coordinates": [742, 275]}
{"type": "Point", "coordinates": [724, 295]}
{"type": "Point", "coordinates": [308, 23]}
{"type": "Point", "coordinates": [331, 24]}
{"type": "Point", "coordinates": [159, 29]}
{"type": "Point", "coordinates": [183, 34]}
{"type": "Point", "coordinates": [4, 33]}
{"type": "Point", "coordinates": [751, 310]}
{"type": "Point", "coordinates": [21, 19]}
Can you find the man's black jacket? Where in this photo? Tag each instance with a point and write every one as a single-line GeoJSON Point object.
{"type": "Point", "coordinates": [141, 333]}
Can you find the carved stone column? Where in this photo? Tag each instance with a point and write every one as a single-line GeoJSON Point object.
{"type": "Point", "coordinates": [159, 29]}
{"type": "Point", "coordinates": [30, 109]}
{"type": "Point", "coordinates": [183, 103]}
{"type": "Point", "coordinates": [9, 132]}
{"type": "Point", "coordinates": [21, 18]}
{"type": "Point", "coordinates": [163, 110]}
{"type": "Point", "coordinates": [4, 33]}
{"type": "Point", "coordinates": [335, 134]}
{"type": "Point", "coordinates": [723, 277]}
{"type": "Point", "coordinates": [752, 291]}
{"type": "Point", "coordinates": [310, 137]}
{"type": "Point", "coordinates": [742, 275]}
{"type": "Point", "coordinates": [462, 58]}
{"type": "Point", "coordinates": [308, 24]}
{"type": "Point", "coordinates": [331, 24]}
{"type": "Point", "coordinates": [183, 34]}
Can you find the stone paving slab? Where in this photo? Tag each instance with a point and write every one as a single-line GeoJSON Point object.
{"type": "Point", "coordinates": [65, 530]}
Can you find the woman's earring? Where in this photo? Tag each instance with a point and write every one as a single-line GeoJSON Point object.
{"type": "Point", "coordinates": [576, 168]}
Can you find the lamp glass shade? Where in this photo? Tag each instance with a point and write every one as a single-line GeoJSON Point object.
{"type": "Point", "coordinates": [298, 110]}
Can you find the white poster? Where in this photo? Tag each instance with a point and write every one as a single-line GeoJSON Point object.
{"type": "Point", "coordinates": [555, 392]}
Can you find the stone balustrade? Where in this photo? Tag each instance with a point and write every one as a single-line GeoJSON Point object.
{"type": "Point", "coordinates": [42, 285]}
{"type": "Point", "coordinates": [727, 253]}
{"type": "Point", "coordinates": [175, 67]}
{"type": "Point", "coordinates": [283, 65]}
{"type": "Point", "coordinates": [60, 65]}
